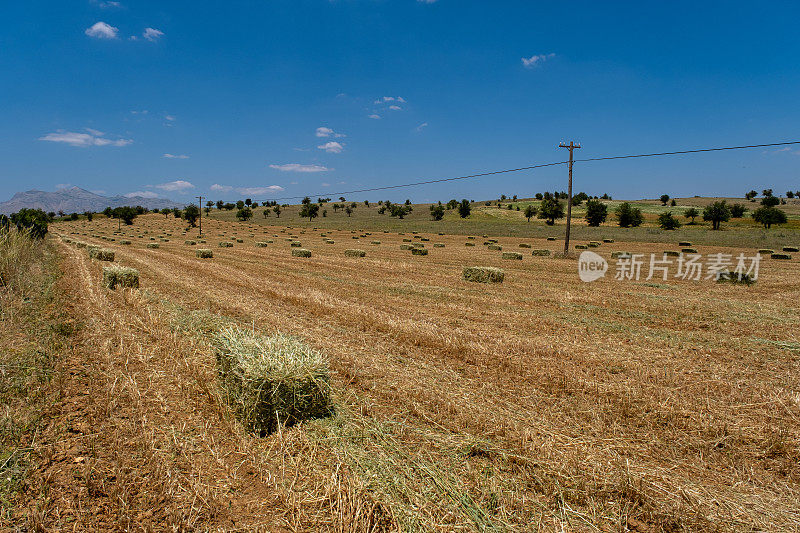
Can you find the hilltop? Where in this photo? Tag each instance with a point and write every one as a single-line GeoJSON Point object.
{"type": "Point", "coordinates": [77, 200]}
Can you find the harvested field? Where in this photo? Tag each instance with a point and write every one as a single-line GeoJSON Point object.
{"type": "Point", "coordinates": [541, 403]}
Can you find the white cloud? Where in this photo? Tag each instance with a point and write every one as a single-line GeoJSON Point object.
{"type": "Point", "coordinates": [327, 132]}
{"type": "Point", "coordinates": [96, 133]}
{"type": "Point", "coordinates": [171, 118]}
{"type": "Point", "coordinates": [142, 112]}
{"type": "Point", "coordinates": [173, 156]}
{"type": "Point", "coordinates": [101, 30]}
{"type": "Point", "coordinates": [422, 126]}
{"type": "Point", "coordinates": [297, 167]}
{"type": "Point", "coordinates": [375, 116]}
{"type": "Point", "coordinates": [221, 188]}
{"type": "Point", "coordinates": [536, 60]}
{"type": "Point", "coordinates": [141, 194]}
{"type": "Point", "coordinates": [83, 139]}
{"type": "Point", "coordinates": [62, 186]}
{"type": "Point", "coordinates": [395, 107]}
{"type": "Point", "coordinates": [177, 185]}
{"type": "Point", "coordinates": [325, 184]}
{"type": "Point", "coordinates": [152, 34]}
{"type": "Point", "coordinates": [332, 147]}
{"type": "Point", "coordinates": [386, 99]}
{"type": "Point", "coordinates": [426, 1]}
{"type": "Point", "coordinates": [254, 191]}
{"type": "Point", "coordinates": [108, 4]}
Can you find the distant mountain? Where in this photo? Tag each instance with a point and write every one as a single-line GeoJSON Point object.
{"type": "Point", "coordinates": [77, 200]}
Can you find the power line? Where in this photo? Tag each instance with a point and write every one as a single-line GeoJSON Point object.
{"type": "Point", "coordinates": [531, 167]}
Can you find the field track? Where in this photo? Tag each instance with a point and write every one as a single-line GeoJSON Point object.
{"type": "Point", "coordinates": [541, 403]}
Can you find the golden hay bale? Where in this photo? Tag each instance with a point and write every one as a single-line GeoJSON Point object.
{"type": "Point", "coordinates": [608, 240]}
{"type": "Point", "coordinates": [104, 254]}
{"type": "Point", "coordinates": [353, 252]}
{"type": "Point", "coordinates": [301, 252]}
{"type": "Point", "coordinates": [615, 255]}
{"type": "Point", "coordinates": [125, 242]}
{"type": "Point", "coordinates": [152, 245]}
{"type": "Point", "coordinates": [190, 243]}
{"type": "Point", "coordinates": [781, 256]}
{"type": "Point", "coordinates": [540, 252]}
{"type": "Point", "coordinates": [225, 244]}
{"type": "Point", "coordinates": [469, 244]}
{"type": "Point", "coordinates": [375, 242]}
{"type": "Point", "coordinates": [261, 245]}
{"type": "Point", "coordinates": [119, 276]}
{"type": "Point", "coordinates": [406, 247]}
{"type": "Point", "coordinates": [483, 274]}
{"type": "Point", "coordinates": [593, 244]}
{"type": "Point", "coordinates": [495, 247]}
{"type": "Point", "coordinates": [524, 245]}
{"type": "Point", "coordinates": [204, 253]}
{"type": "Point", "coordinates": [581, 247]}
{"type": "Point", "coordinates": [271, 380]}
{"type": "Point", "coordinates": [671, 253]}
{"type": "Point", "coordinates": [551, 238]}
{"type": "Point", "coordinates": [419, 251]}
{"type": "Point", "coordinates": [296, 244]}
{"type": "Point", "coordinates": [512, 255]}
{"type": "Point", "coordinates": [330, 241]}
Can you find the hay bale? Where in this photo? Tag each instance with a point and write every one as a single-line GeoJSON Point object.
{"type": "Point", "coordinates": [791, 249]}
{"type": "Point", "coordinates": [295, 244]}
{"type": "Point", "coordinates": [375, 242]}
{"type": "Point", "coordinates": [190, 243]}
{"type": "Point", "coordinates": [301, 252]}
{"type": "Point", "coordinates": [737, 279]}
{"type": "Point", "coordinates": [551, 238]}
{"type": "Point", "coordinates": [608, 241]}
{"type": "Point", "coordinates": [684, 243]}
{"type": "Point", "coordinates": [204, 253]}
{"type": "Point", "coordinates": [512, 255]}
{"type": "Point", "coordinates": [152, 245]}
{"type": "Point", "coordinates": [671, 253]}
{"type": "Point", "coordinates": [469, 244]}
{"type": "Point", "coordinates": [581, 247]}
{"type": "Point", "coordinates": [225, 244]}
{"type": "Point", "coordinates": [615, 255]}
{"type": "Point", "coordinates": [495, 247]}
{"type": "Point", "coordinates": [125, 242]}
{"type": "Point", "coordinates": [118, 276]}
{"type": "Point", "coordinates": [483, 274]}
{"type": "Point", "coordinates": [406, 240]}
{"type": "Point", "coordinates": [271, 380]}
{"type": "Point", "coordinates": [540, 252]}
{"type": "Point", "coordinates": [524, 245]}
{"type": "Point", "coordinates": [766, 251]}
{"type": "Point", "coordinates": [419, 251]}
{"type": "Point", "coordinates": [92, 250]}
{"type": "Point", "coordinates": [594, 244]}
{"type": "Point", "coordinates": [781, 256]}
{"type": "Point", "coordinates": [261, 245]}
{"type": "Point", "coordinates": [689, 250]}
{"type": "Point", "coordinates": [330, 241]}
{"type": "Point", "coordinates": [104, 254]}
{"type": "Point", "coordinates": [406, 247]}
{"type": "Point", "coordinates": [438, 245]}
{"type": "Point", "coordinates": [353, 252]}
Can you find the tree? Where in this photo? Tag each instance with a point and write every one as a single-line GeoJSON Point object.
{"type": "Point", "coordinates": [767, 192]}
{"type": "Point", "coordinates": [437, 211]}
{"type": "Point", "coordinates": [306, 200]}
{"type": "Point", "coordinates": [310, 211]}
{"type": "Point", "coordinates": [32, 221]}
{"type": "Point", "coordinates": [769, 215]}
{"type": "Point", "coordinates": [240, 205]}
{"type": "Point", "coordinates": [738, 210]}
{"type": "Point", "coordinates": [692, 213]}
{"type": "Point", "coordinates": [277, 210]}
{"type": "Point", "coordinates": [530, 212]}
{"type": "Point", "coordinates": [266, 213]}
{"type": "Point", "coordinates": [177, 213]}
{"type": "Point", "coordinates": [366, 203]}
{"type": "Point", "coordinates": [400, 211]}
{"type": "Point", "coordinates": [464, 208]}
{"type": "Point", "coordinates": [789, 194]}
{"type": "Point", "coordinates": [770, 201]}
{"type": "Point", "coordinates": [664, 199]}
{"type": "Point", "coordinates": [341, 198]}
{"type": "Point", "coordinates": [348, 210]}
{"type": "Point", "coordinates": [751, 195]}
{"type": "Point", "coordinates": [220, 204]}
{"type": "Point", "coordinates": [229, 206]}
{"type": "Point", "coordinates": [244, 214]}
{"type": "Point", "coordinates": [248, 202]}
{"type": "Point", "coordinates": [628, 216]}
{"type": "Point", "coordinates": [596, 212]}
{"type": "Point", "coordinates": [673, 203]}
{"type": "Point", "coordinates": [717, 213]}
{"type": "Point", "coordinates": [668, 222]}
{"type": "Point", "coordinates": [551, 209]}
{"type": "Point", "coordinates": [209, 205]}
{"type": "Point", "coordinates": [89, 215]}
{"type": "Point", "coordinates": [191, 214]}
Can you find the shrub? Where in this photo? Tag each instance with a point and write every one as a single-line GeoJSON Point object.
{"type": "Point", "coordinates": [152, 245]}
{"type": "Point", "coordinates": [781, 256]}
{"type": "Point", "coordinates": [353, 252]}
{"type": "Point", "coordinates": [540, 252]}
{"type": "Point", "coordinates": [118, 276]}
{"type": "Point", "coordinates": [483, 274]}
{"type": "Point", "coordinates": [271, 380]}
{"type": "Point", "coordinates": [738, 210]}
{"type": "Point", "coordinates": [628, 216]}
{"type": "Point", "coordinates": [301, 252]}
{"type": "Point", "coordinates": [512, 255]}
{"type": "Point", "coordinates": [419, 251]}
{"type": "Point", "coordinates": [668, 222]}
{"type": "Point", "coordinates": [204, 253]}
{"type": "Point", "coordinates": [791, 249]}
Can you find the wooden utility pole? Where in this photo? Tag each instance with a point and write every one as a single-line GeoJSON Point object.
{"type": "Point", "coordinates": [200, 204]}
{"type": "Point", "coordinates": [571, 146]}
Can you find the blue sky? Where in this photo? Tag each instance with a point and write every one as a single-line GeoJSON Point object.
{"type": "Point", "coordinates": [281, 98]}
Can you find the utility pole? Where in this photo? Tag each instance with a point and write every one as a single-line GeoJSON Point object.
{"type": "Point", "coordinates": [200, 204]}
{"type": "Point", "coordinates": [571, 146]}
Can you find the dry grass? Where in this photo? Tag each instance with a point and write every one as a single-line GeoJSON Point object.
{"type": "Point", "coordinates": [538, 404]}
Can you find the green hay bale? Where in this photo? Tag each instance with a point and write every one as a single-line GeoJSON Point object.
{"type": "Point", "coordinates": [781, 256]}
{"type": "Point", "coordinates": [375, 242]}
{"type": "Point", "coordinates": [594, 244]}
{"type": "Point", "coordinates": [469, 244]}
{"type": "Point", "coordinates": [204, 253]}
{"type": "Point", "coordinates": [736, 279]}
{"type": "Point", "coordinates": [495, 247]}
{"type": "Point", "coordinates": [524, 245]}
{"type": "Point", "coordinates": [791, 249]}
{"type": "Point", "coordinates": [608, 241]}
{"type": "Point", "coordinates": [126, 242]}
{"type": "Point", "coordinates": [330, 241]}
{"type": "Point", "coordinates": [512, 255]}
{"type": "Point", "coordinates": [540, 252]}
{"type": "Point", "coordinates": [424, 239]}
{"type": "Point", "coordinates": [295, 244]}
{"type": "Point", "coordinates": [671, 253]}
{"type": "Point", "coordinates": [152, 245]}
{"type": "Point", "coordinates": [261, 245]}
{"type": "Point", "coordinates": [406, 247]}
{"type": "Point", "coordinates": [615, 255]}
{"type": "Point", "coordinates": [689, 250]}
{"type": "Point", "coordinates": [271, 380]}
{"type": "Point", "coordinates": [419, 251]}
{"type": "Point", "coordinates": [551, 238]}
{"type": "Point", "coordinates": [92, 250]}
{"type": "Point", "coordinates": [225, 244]}
{"type": "Point", "coordinates": [684, 243]}
{"type": "Point", "coordinates": [355, 253]}
{"type": "Point", "coordinates": [483, 274]}
{"type": "Point", "coordinates": [766, 251]}
{"type": "Point", "coordinates": [190, 243]}
{"type": "Point", "coordinates": [438, 245]}
{"type": "Point", "coordinates": [240, 240]}
{"type": "Point", "coordinates": [581, 247]}
{"type": "Point", "coordinates": [301, 252]}
{"type": "Point", "coordinates": [118, 276]}
{"type": "Point", "coordinates": [471, 237]}
{"type": "Point", "coordinates": [102, 254]}
{"type": "Point", "coordinates": [406, 240]}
